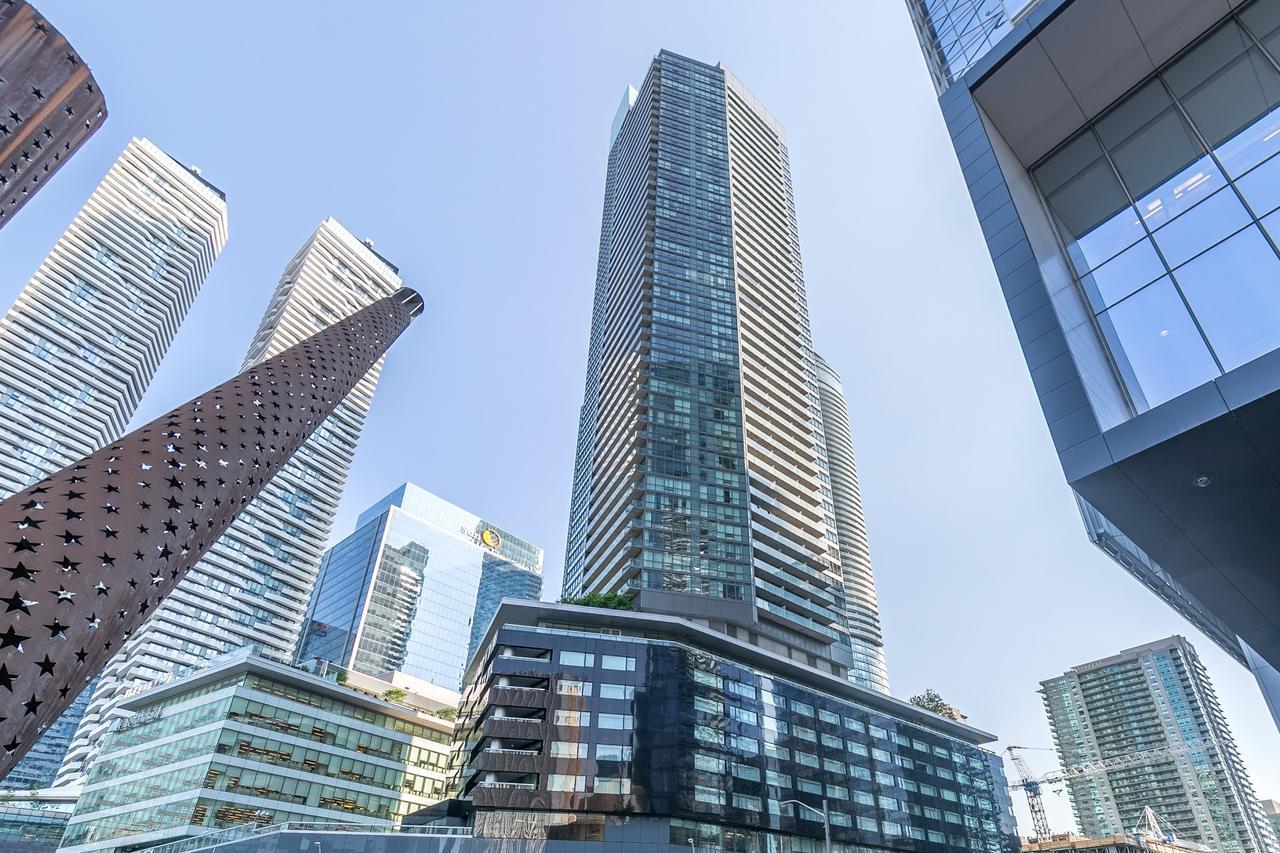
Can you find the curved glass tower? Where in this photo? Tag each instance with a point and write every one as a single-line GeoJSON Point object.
{"type": "Point", "coordinates": [860, 607]}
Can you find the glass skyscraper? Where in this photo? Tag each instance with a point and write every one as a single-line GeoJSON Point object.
{"type": "Point", "coordinates": [1124, 166]}
{"type": "Point", "coordinates": [252, 586]}
{"type": "Point", "coordinates": [80, 345]}
{"type": "Point", "coordinates": [702, 484]}
{"type": "Point", "coordinates": [1153, 696]}
{"type": "Point", "coordinates": [414, 588]}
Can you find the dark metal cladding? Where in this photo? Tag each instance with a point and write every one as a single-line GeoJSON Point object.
{"type": "Point", "coordinates": [87, 554]}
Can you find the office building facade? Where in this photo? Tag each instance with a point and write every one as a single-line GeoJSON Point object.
{"type": "Point", "coordinates": [414, 587]}
{"type": "Point", "coordinates": [80, 345]}
{"type": "Point", "coordinates": [253, 585]}
{"type": "Point", "coordinates": [1120, 161]}
{"type": "Point", "coordinates": [1154, 697]}
{"type": "Point", "coordinates": [578, 720]}
{"type": "Point", "coordinates": [701, 484]}
{"type": "Point", "coordinates": [49, 104]}
{"type": "Point", "coordinates": [860, 606]}
{"type": "Point", "coordinates": [247, 740]}
{"type": "Point", "coordinates": [1271, 809]}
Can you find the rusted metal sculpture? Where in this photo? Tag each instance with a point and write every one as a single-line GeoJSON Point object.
{"type": "Point", "coordinates": [87, 554]}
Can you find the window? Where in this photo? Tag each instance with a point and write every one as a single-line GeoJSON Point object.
{"type": "Point", "coordinates": [858, 749]}
{"type": "Point", "coordinates": [708, 734]}
{"type": "Point", "coordinates": [831, 741]}
{"type": "Point", "coordinates": [779, 752]}
{"type": "Point", "coordinates": [744, 716]}
{"type": "Point", "coordinates": [566, 687]}
{"type": "Point", "coordinates": [863, 798]}
{"type": "Point", "coordinates": [745, 801]}
{"type": "Point", "coordinates": [801, 709]}
{"type": "Point", "coordinates": [617, 691]}
{"type": "Point", "coordinates": [808, 786]}
{"type": "Point", "coordinates": [891, 828]}
{"type": "Point", "coordinates": [828, 717]}
{"type": "Point", "coordinates": [562, 782]}
{"type": "Point", "coordinates": [618, 662]}
{"type": "Point", "coordinates": [838, 792]}
{"type": "Point", "coordinates": [776, 779]}
{"type": "Point", "coordinates": [868, 824]}
{"type": "Point", "coordinates": [568, 749]}
{"type": "Point", "coordinates": [808, 759]}
{"type": "Point", "coordinates": [710, 796]}
{"type": "Point", "coordinates": [746, 772]}
{"type": "Point", "coordinates": [612, 752]}
{"type": "Point", "coordinates": [612, 785]}
{"type": "Point", "coordinates": [840, 819]}
{"type": "Point", "coordinates": [572, 718]}
{"type": "Point", "coordinates": [614, 721]}
{"type": "Point", "coordinates": [82, 292]}
{"type": "Point", "coordinates": [704, 705]}
{"type": "Point", "coordinates": [932, 813]}
{"type": "Point", "coordinates": [805, 733]}
{"type": "Point", "coordinates": [854, 725]}
{"type": "Point", "coordinates": [878, 732]}
{"type": "Point", "coordinates": [880, 754]}
{"type": "Point", "coordinates": [888, 803]}
{"type": "Point", "coordinates": [742, 743]}
{"type": "Point", "coordinates": [708, 763]}
{"type": "Point", "coordinates": [886, 778]}
{"type": "Point", "coordinates": [741, 688]}
{"type": "Point", "coordinates": [577, 659]}
{"type": "Point", "coordinates": [710, 679]}
{"type": "Point", "coordinates": [832, 765]}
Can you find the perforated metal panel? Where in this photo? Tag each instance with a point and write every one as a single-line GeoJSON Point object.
{"type": "Point", "coordinates": [87, 554]}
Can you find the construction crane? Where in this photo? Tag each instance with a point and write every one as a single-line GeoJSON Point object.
{"type": "Point", "coordinates": [1032, 784]}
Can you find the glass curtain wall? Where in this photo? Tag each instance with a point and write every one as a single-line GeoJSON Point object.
{"type": "Point", "coordinates": [1168, 206]}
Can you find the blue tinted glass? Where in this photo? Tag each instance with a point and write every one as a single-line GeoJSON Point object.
{"type": "Point", "coordinates": [1252, 145]}
{"type": "Point", "coordinates": [1272, 224]}
{"type": "Point", "coordinates": [1234, 290]}
{"type": "Point", "coordinates": [1180, 193]}
{"type": "Point", "coordinates": [1157, 345]}
{"type": "Point", "coordinates": [1261, 187]}
{"type": "Point", "coordinates": [1123, 274]}
{"type": "Point", "coordinates": [1201, 227]}
{"type": "Point", "coordinates": [1102, 243]}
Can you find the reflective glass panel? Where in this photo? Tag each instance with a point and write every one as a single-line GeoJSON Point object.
{"type": "Point", "coordinates": [1201, 227]}
{"type": "Point", "coordinates": [1158, 149]}
{"type": "Point", "coordinates": [1261, 187]}
{"type": "Point", "coordinates": [1157, 345]}
{"type": "Point", "coordinates": [1234, 291]}
{"type": "Point", "coordinates": [1088, 202]}
{"type": "Point", "coordinates": [1263, 20]}
{"type": "Point", "coordinates": [1117, 278]}
{"type": "Point", "coordinates": [1181, 192]}
{"type": "Point", "coordinates": [1272, 224]}
{"type": "Point", "coordinates": [1223, 86]}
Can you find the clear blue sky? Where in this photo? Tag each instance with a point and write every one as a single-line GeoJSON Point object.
{"type": "Point", "coordinates": [469, 141]}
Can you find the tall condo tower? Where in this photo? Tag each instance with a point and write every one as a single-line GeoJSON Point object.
{"type": "Point", "coordinates": [702, 484]}
{"type": "Point", "coordinates": [1145, 698]}
{"type": "Point", "coordinates": [860, 607]}
{"type": "Point", "coordinates": [81, 343]}
{"type": "Point", "coordinates": [253, 585]}
{"type": "Point", "coordinates": [49, 104]}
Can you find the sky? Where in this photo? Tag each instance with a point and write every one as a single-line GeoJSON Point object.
{"type": "Point", "coordinates": [469, 141]}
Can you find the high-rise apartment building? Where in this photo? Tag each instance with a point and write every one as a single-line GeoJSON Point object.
{"type": "Point", "coordinates": [702, 484]}
{"type": "Point", "coordinates": [860, 607]}
{"type": "Point", "coordinates": [1154, 697]}
{"type": "Point", "coordinates": [414, 588]}
{"type": "Point", "coordinates": [253, 585]}
{"type": "Point", "coordinates": [1271, 809]}
{"type": "Point", "coordinates": [49, 104]}
{"type": "Point", "coordinates": [84, 337]}
{"type": "Point", "coordinates": [1122, 162]}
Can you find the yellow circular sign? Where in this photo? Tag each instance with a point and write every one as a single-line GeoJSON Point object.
{"type": "Point", "coordinates": [490, 537]}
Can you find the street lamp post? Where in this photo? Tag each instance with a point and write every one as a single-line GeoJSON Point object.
{"type": "Point", "coordinates": [826, 820]}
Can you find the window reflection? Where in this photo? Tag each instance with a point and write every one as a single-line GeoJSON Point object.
{"type": "Point", "coordinates": [1234, 291]}
{"type": "Point", "coordinates": [1156, 344]}
{"type": "Point", "coordinates": [1201, 227]}
{"type": "Point", "coordinates": [1184, 283]}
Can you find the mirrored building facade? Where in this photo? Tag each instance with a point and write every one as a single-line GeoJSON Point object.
{"type": "Point", "coordinates": [414, 588]}
{"type": "Point", "coordinates": [1124, 164]}
{"type": "Point", "coordinates": [576, 720]}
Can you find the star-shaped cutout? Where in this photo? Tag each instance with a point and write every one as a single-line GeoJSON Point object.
{"type": "Point", "coordinates": [57, 629]}
{"type": "Point", "coordinates": [32, 705]}
{"type": "Point", "coordinates": [10, 637]}
{"type": "Point", "coordinates": [46, 666]}
{"type": "Point", "coordinates": [20, 572]}
{"type": "Point", "coordinates": [6, 678]}
{"type": "Point", "coordinates": [24, 544]}
{"type": "Point", "coordinates": [18, 603]}
{"type": "Point", "coordinates": [101, 588]}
